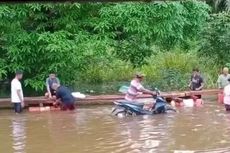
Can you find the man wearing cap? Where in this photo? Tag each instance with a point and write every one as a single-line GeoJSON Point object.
{"type": "Point", "coordinates": [49, 82]}
{"type": "Point", "coordinates": [17, 93]}
{"type": "Point", "coordinates": [136, 87]}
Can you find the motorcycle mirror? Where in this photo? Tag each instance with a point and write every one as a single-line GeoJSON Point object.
{"type": "Point", "coordinates": [157, 91]}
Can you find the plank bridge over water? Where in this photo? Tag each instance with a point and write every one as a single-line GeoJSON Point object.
{"type": "Point", "coordinates": [108, 99]}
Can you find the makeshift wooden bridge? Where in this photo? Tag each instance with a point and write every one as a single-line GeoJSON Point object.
{"type": "Point", "coordinates": [107, 99]}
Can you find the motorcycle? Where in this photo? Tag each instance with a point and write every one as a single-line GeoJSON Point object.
{"type": "Point", "coordinates": [132, 108]}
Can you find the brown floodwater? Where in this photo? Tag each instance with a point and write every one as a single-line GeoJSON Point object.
{"type": "Point", "coordinates": [94, 130]}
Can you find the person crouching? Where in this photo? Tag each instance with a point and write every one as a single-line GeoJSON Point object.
{"type": "Point", "coordinates": [227, 96]}
{"type": "Point", "coordinates": [63, 94]}
{"type": "Point", "coordinates": [49, 82]}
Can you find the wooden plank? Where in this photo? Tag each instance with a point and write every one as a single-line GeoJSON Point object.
{"type": "Point", "coordinates": [108, 99]}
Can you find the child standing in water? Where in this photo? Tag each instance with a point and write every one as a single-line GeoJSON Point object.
{"type": "Point", "coordinates": [227, 96]}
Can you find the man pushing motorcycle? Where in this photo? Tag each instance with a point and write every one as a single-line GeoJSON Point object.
{"type": "Point", "coordinates": [137, 88]}
{"type": "Point", "coordinates": [130, 107]}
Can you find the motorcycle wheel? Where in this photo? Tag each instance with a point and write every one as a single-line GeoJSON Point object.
{"type": "Point", "coordinates": [170, 108]}
{"type": "Point", "coordinates": [121, 114]}
{"type": "Point", "coordinates": [118, 110]}
{"type": "Point", "coordinates": [134, 114]}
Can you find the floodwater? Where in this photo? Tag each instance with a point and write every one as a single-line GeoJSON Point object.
{"type": "Point", "coordinates": [94, 130]}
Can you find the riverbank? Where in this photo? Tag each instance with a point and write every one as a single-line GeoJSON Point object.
{"type": "Point", "coordinates": [106, 99]}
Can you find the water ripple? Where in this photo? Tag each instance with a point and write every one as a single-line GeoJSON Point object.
{"type": "Point", "coordinates": [94, 130]}
{"type": "Point", "coordinates": [18, 134]}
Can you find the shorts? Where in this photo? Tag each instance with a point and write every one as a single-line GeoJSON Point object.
{"type": "Point", "coordinates": [227, 107]}
{"type": "Point", "coordinates": [67, 107]}
{"type": "Point", "coordinates": [17, 107]}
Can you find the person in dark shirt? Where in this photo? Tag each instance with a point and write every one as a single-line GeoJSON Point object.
{"type": "Point", "coordinates": [196, 81]}
{"type": "Point", "coordinates": [64, 95]}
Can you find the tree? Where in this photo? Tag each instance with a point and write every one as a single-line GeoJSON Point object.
{"type": "Point", "coordinates": [71, 38]}
{"type": "Point", "coordinates": [139, 26]}
{"type": "Point", "coordinates": [219, 5]}
{"type": "Point", "coordinates": [215, 38]}
{"type": "Point", "coordinates": [39, 38]}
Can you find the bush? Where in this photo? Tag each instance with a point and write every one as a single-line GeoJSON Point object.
{"type": "Point", "coordinates": [106, 76]}
{"type": "Point", "coordinates": [172, 70]}
{"type": "Point", "coordinates": [107, 71]}
{"type": "Point", "coordinates": [166, 70]}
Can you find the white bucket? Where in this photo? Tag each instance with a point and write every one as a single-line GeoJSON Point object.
{"type": "Point", "coordinates": [188, 102]}
{"type": "Point", "coordinates": [78, 95]}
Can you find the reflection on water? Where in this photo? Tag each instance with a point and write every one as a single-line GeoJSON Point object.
{"type": "Point", "coordinates": [93, 129]}
{"type": "Point", "coordinates": [18, 134]}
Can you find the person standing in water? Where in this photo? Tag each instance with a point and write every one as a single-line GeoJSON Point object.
{"type": "Point", "coordinates": [49, 82]}
{"type": "Point", "coordinates": [136, 87]}
{"type": "Point", "coordinates": [196, 82]}
{"type": "Point", "coordinates": [16, 92]}
{"type": "Point", "coordinates": [65, 96]}
{"type": "Point", "coordinates": [223, 79]}
{"type": "Point", "coordinates": [227, 96]}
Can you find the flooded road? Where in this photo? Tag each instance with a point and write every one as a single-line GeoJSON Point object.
{"type": "Point", "coordinates": [94, 130]}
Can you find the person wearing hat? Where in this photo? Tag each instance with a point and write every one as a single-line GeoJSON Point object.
{"type": "Point", "coordinates": [136, 87]}
{"type": "Point", "coordinates": [17, 93]}
{"type": "Point", "coordinates": [227, 96]}
{"type": "Point", "coordinates": [49, 82]}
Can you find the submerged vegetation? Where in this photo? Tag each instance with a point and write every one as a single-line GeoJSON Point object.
{"type": "Point", "coordinates": [98, 43]}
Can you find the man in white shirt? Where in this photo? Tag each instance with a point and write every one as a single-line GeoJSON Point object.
{"type": "Point", "coordinates": [17, 93]}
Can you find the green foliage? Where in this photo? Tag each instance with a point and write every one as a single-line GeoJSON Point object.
{"type": "Point", "coordinates": [139, 26]}
{"type": "Point", "coordinates": [172, 70]}
{"type": "Point", "coordinates": [2, 68]}
{"type": "Point", "coordinates": [215, 42]}
{"type": "Point", "coordinates": [99, 43]}
{"type": "Point", "coordinates": [222, 5]}
{"type": "Point", "coordinates": [40, 41]}
{"type": "Point", "coordinates": [168, 70]}
{"type": "Point", "coordinates": [107, 71]}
